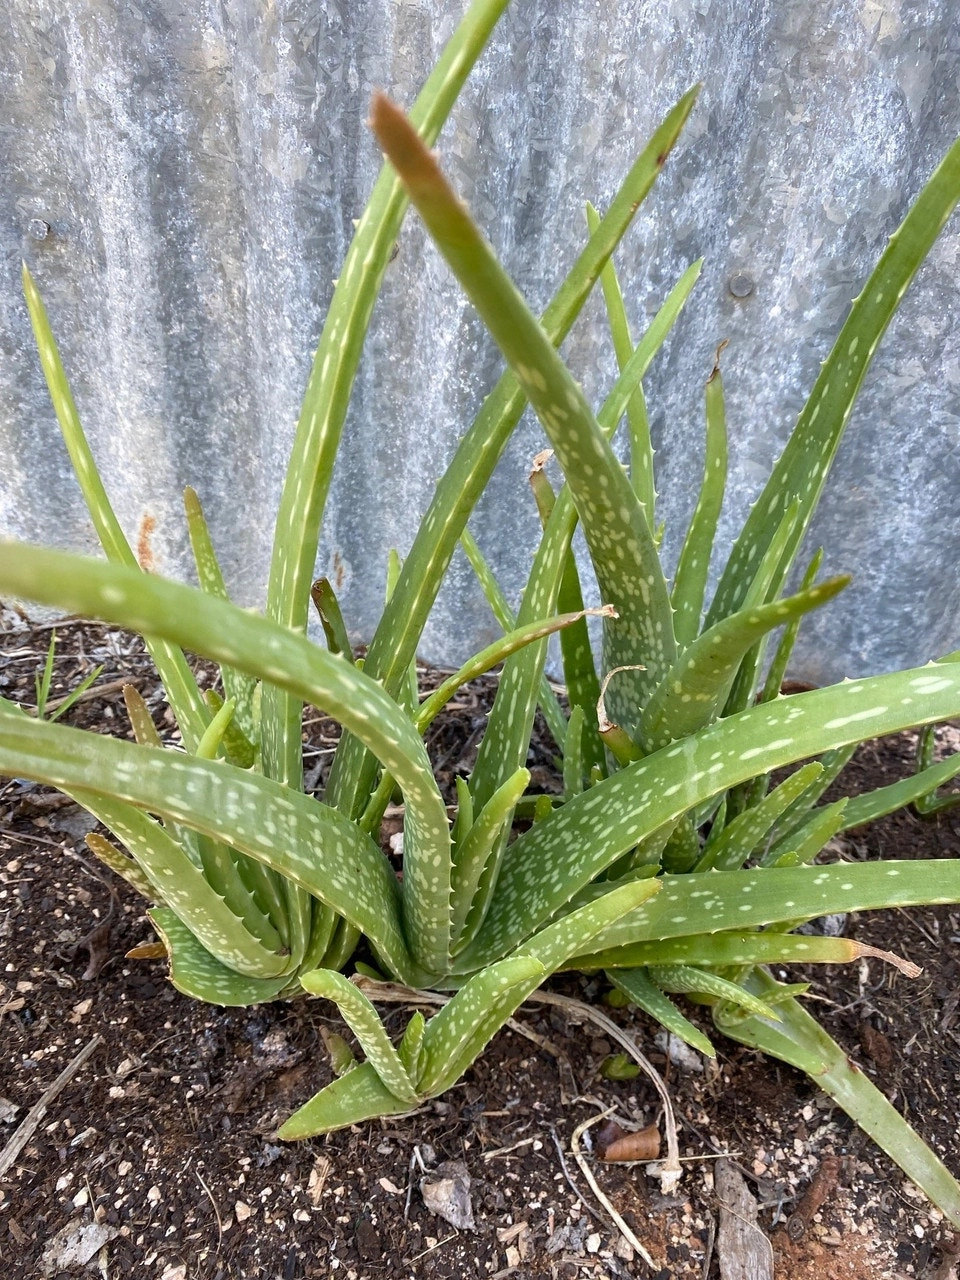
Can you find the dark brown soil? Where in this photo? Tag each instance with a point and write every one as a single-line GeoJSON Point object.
{"type": "Point", "coordinates": [164, 1137]}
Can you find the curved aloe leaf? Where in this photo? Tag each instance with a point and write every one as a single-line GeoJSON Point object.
{"type": "Point", "coordinates": [322, 415]}
{"type": "Point", "coordinates": [693, 691]}
{"type": "Point", "coordinates": [314, 846]}
{"type": "Point", "coordinates": [198, 974]}
{"type": "Point", "coordinates": [220, 631]}
{"type": "Point", "coordinates": [802, 468]}
{"type": "Point", "coordinates": [481, 844]}
{"type": "Point", "coordinates": [181, 688]}
{"type": "Point", "coordinates": [683, 979]}
{"type": "Point", "coordinates": [801, 1041]}
{"type": "Point", "coordinates": [397, 635]}
{"type": "Point", "coordinates": [690, 582]}
{"type": "Point", "coordinates": [364, 1021]}
{"type": "Point", "coordinates": [610, 819]}
{"type": "Point", "coordinates": [731, 849]}
{"type": "Point", "coordinates": [724, 949]}
{"type": "Point", "coordinates": [353, 1098]}
{"type": "Point", "coordinates": [613, 519]}
{"type": "Point", "coordinates": [639, 988]}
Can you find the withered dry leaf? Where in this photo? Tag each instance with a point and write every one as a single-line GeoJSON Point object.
{"type": "Point", "coordinates": [622, 1146]}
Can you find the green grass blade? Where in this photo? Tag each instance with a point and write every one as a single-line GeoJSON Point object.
{"type": "Point", "coordinates": [364, 1021]}
{"type": "Point", "coordinates": [690, 582]}
{"type": "Point", "coordinates": [801, 1041]}
{"type": "Point", "coordinates": [802, 469]}
{"type": "Point", "coordinates": [178, 682]}
{"type": "Point", "coordinates": [694, 690]}
{"type": "Point", "coordinates": [613, 520]}
{"type": "Point", "coordinates": [398, 633]}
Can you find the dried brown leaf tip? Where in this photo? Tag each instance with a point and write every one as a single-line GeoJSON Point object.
{"type": "Point", "coordinates": [616, 1144]}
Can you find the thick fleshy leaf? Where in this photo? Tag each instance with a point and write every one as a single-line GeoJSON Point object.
{"type": "Point", "coordinates": [364, 1021]}
{"type": "Point", "coordinates": [739, 838]}
{"type": "Point", "coordinates": [317, 439]}
{"type": "Point", "coordinates": [694, 690]}
{"type": "Point", "coordinates": [557, 857]}
{"type": "Point", "coordinates": [303, 840]}
{"type": "Point", "coordinates": [395, 640]}
{"type": "Point", "coordinates": [613, 519]}
{"type": "Point", "coordinates": [178, 681]}
{"type": "Point", "coordinates": [250, 643]}
{"type": "Point", "coordinates": [690, 582]}
{"type": "Point", "coordinates": [195, 972]}
{"type": "Point", "coordinates": [802, 469]}
{"type": "Point", "coordinates": [801, 1041]}
{"type": "Point", "coordinates": [353, 1098]}
{"type": "Point", "coordinates": [637, 986]}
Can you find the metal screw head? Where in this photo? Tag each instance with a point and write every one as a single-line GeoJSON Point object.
{"type": "Point", "coordinates": [37, 229]}
{"type": "Point", "coordinates": [740, 285]}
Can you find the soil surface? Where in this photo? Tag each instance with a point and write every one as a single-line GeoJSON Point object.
{"type": "Point", "coordinates": [156, 1154]}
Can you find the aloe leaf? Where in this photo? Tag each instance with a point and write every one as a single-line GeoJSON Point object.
{"type": "Point", "coordinates": [227, 923]}
{"type": "Point", "coordinates": [884, 800]}
{"type": "Point", "coordinates": [178, 681]}
{"type": "Point", "coordinates": [802, 468]}
{"type": "Point", "coordinates": [220, 631]}
{"type": "Point", "coordinates": [613, 520]}
{"type": "Point", "coordinates": [777, 895]}
{"type": "Point", "coordinates": [594, 829]}
{"type": "Point", "coordinates": [141, 721]}
{"type": "Point", "coordinates": [721, 950]}
{"type": "Point", "coordinates": [579, 671]}
{"type": "Point", "coordinates": [801, 1041]}
{"type": "Point", "coordinates": [690, 581]}
{"type": "Point", "coordinates": [639, 988]}
{"type": "Point", "coordinates": [641, 448]}
{"type": "Point", "coordinates": [683, 979]}
{"type": "Point", "coordinates": [458, 1033]}
{"type": "Point", "coordinates": [353, 1098]}
{"type": "Point", "coordinates": [693, 691]}
{"type": "Point", "coordinates": [806, 841]}
{"type": "Point", "coordinates": [317, 439]}
{"type": "Point", "coordinates": [481, 844]}
{"type": "Point", "coordinates": [456, 1036]}
{"type": "Point", "coordinates": [123, 865]}
{"type": "Point", "coordinates": [507, 737]}
{"type": "Point", "coordinates": [549, 703]}
{"type": "Point", "coordinates": [331, 619]}
{"type": "Point", "coordinates": [410, 1048]}
{"type": "Point", "coordinates": [395, 640]}
{"type": "Point", "coordinates": [492, 656]}
{"type": "Point", "coordinates": [777, 670]}
{"type": "Point", "coordinates": [237, 747]}
{"type": "Point", "coordinates": [236, 686]}
{"type": "Point", "coordinates": [573, 754]}
{"type": "Point", "coordinates": [311, 844]}
{"type": "Point", "coordinates": [198, 974]}
{"type": "Point", "coordinates": [731, 849]}
{"type": "Point", "coordinates": [364, 1021]}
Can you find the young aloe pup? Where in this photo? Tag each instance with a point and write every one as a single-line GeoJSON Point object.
{"type": "Point", "coordinates": [671, 861]}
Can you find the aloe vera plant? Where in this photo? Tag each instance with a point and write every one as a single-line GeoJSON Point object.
{"type": "Point", "coordinates": [671, 862]}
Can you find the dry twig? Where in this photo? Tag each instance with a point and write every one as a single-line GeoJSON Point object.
{"type": "Point", "coordinates": [28, 1126]}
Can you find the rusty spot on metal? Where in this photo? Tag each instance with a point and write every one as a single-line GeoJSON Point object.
{"type": "Point", "coordinates": [339, 573]}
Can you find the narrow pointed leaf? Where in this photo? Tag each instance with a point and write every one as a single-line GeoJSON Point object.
{"type": "Point", "coordinates": [358, 1096]}
{"type": "Point", "coordinates": [637, 986]}
{"type": "Point", "coordinates": [741, 837]}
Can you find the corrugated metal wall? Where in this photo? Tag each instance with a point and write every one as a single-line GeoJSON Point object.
{"type": "Point", "coordinates": [182, 179]}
